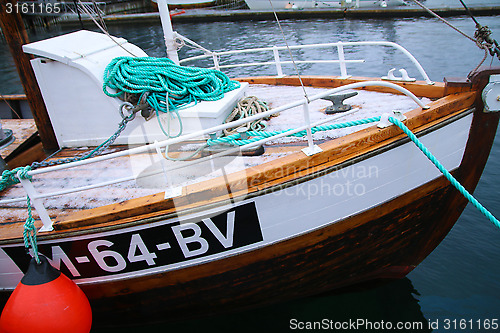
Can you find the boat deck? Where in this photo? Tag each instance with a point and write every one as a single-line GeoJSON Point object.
{"type": "Point", "coordinates": [143, 173]}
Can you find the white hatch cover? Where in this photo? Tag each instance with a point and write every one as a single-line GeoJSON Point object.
{"type": "Point", "coordinates": [72, 46]}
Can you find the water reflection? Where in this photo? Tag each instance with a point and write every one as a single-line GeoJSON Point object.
{"type": "Point", "coordinates": [390, 304]}
{"type": "Point", "coordinates": [429, 43]}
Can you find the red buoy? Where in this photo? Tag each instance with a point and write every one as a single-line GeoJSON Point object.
{"type": "Point", "coordinates": [46, 301]}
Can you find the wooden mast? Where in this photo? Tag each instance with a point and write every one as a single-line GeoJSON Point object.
{"type": "Point", "coordinates": [16, 36]}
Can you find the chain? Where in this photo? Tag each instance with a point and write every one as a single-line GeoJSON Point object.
{"type": "Point", "coordinates": [102, 147]}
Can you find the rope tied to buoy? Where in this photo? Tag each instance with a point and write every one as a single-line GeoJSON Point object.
{"type": "Point", "coordinates": [12, 177]}
{"type": "Point", "coordinates": [170, 86]}
{"type": "Point", "coordinates": [29, 232]}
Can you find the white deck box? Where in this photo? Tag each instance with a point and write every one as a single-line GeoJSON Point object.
{"type": "Point", "coordinates": [69, 70]}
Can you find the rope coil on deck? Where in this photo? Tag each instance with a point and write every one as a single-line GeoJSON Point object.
{"type": "Point", "coordinates": [165, 81]}
{"type": "Point", "coordinates": [247, 107]}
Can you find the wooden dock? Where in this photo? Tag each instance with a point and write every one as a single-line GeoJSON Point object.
{"type": "Point", "coordinates": [208, 15]}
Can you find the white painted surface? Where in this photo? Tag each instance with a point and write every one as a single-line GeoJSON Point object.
{"type": "Point", "coordinates": [70, 76]}
{"type": "Point", "coordinates": [10, 274]}
{"type": "Point", "coordinates": [313, 204]}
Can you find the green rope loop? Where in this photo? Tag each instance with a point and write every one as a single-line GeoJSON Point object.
{"type": "Point", "coordinates": [445, 172]}
{"type": "Point", "coordinates": [12, 177]}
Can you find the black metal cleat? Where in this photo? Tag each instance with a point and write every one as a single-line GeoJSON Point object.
{"type": "Point", "coordinates": [338, 105]}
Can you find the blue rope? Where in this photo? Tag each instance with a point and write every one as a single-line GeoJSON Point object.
{"type": "Point", "coordinates": [235, 139]}
{"type": "Point", "coordinates": [445, 172]}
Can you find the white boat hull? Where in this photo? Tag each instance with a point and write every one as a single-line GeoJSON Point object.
{"type": "Point", "coordinates": [266, 219]}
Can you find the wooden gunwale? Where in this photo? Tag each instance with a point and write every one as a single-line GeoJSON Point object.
{"type": "Point", "coordinates": [298, 165]}
{"type": "Point", "coordinates": [419, 88]}
{"type": "Point", "coordinates": [247, 182]}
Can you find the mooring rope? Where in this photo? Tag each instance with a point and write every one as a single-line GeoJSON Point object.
{"type": "Point", "coordinates": [9, 177]}
{"type": "Point", "coordinates": [445, 172]}
{"type": "Point", "coordinates": [29, 232]}
{"type": "Point", "coordinates": [236, 139]}
{"type": "Point", "coordinates": [481, 37]}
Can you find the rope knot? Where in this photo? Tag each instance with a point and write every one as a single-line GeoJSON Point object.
{"type": "Point", "coordinates": [22, 172]}
{"type": "Point", "coordinates": [10, 177]}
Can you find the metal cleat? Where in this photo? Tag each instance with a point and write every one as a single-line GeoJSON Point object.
{"type": "Point", "coordinates": [404, 76]}
{"type": "Point", "coordinates": [384, 119]}
{"type": "Point", "coordinates": [338, 105]}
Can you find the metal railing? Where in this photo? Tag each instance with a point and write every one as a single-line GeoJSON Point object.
{"type": "Point", "coordinates": [275, 57]}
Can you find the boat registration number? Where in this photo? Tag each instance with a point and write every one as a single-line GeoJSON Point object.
{"type": "Point", "coordinates": [148, 247]}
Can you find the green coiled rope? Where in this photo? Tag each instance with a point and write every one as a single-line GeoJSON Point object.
{"type": "Point", "coordinates": [162, 78]}
{"type": "Point", "coordinates": [445, 172]}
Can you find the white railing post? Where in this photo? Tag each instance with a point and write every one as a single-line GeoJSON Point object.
{"type": "Point", "coordinates": [37, 203]}
{"type": "Point", "coordinates": [311, 147]}
{"type": "Point", "coordinates": [343, 67]}
{"type": "Point", "coordinates": [168, 31]}
{"type": "Point", "coordinates": [216, 61]}
{"type": "Point", "coordinates": [171, 191]}
{"type": "Point", "coordinates": [277, 61]}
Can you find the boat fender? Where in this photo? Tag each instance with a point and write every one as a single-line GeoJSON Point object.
{"type": "Point", "coordinates": [46, 301]}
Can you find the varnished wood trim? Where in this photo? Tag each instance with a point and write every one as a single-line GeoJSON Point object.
{"type": "Point", "coordinates": [419, 88]}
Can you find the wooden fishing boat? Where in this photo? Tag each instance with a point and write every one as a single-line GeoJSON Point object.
{"type": "Point", "coordinates": [152, 235]}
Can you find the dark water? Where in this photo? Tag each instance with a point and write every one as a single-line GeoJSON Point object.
{"type": "Point", "coordinates": [457, 288]}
